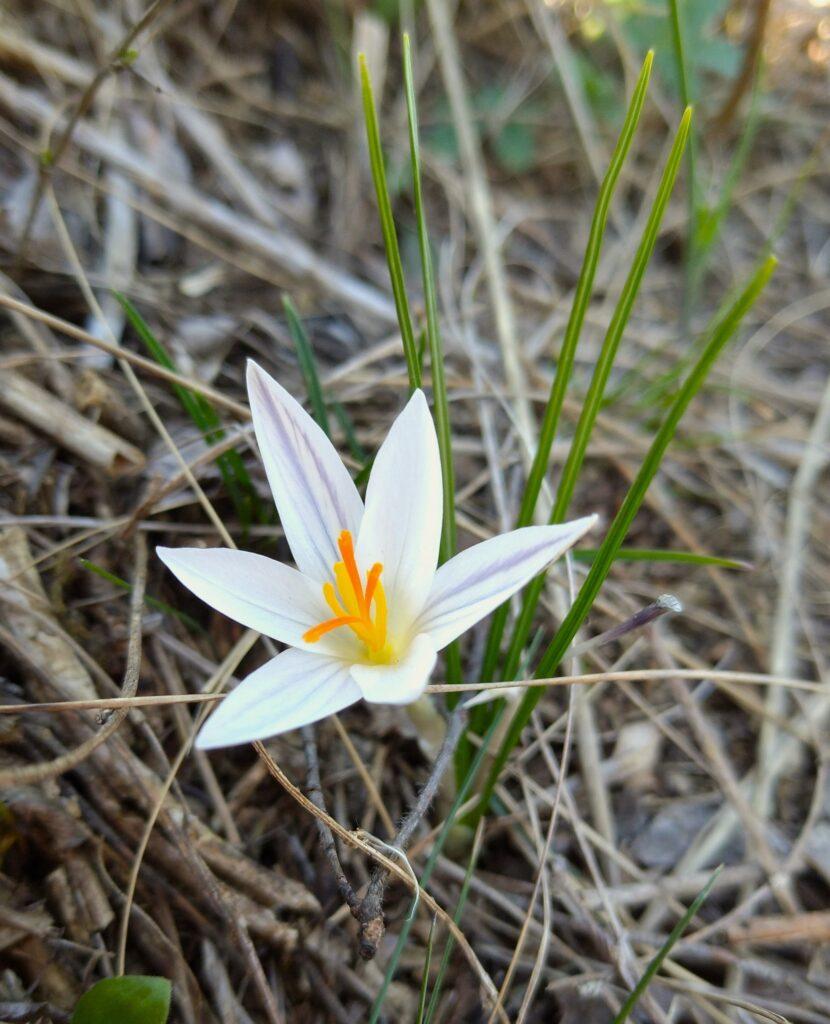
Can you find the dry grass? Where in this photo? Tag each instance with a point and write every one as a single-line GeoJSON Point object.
{"type": "Point", "coordinates": [222, 166]}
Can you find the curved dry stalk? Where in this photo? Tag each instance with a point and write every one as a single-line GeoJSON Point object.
{"type": "Point", "coordinates": [744, 678]}
{"type": "Point", "coordinates": [64, 327]}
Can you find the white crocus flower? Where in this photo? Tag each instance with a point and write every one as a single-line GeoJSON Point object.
{"type": "Point", "coordinates": [367, 609]}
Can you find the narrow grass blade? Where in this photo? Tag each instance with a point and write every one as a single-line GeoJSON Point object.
{"type": "Point", "coordinates": [436, 352]}
{"type": "Point", "coordinates": [663, 952]}
{"type": "Point", "coordinates": [619, 321]}
{"type": "Point", "coordinates": [432, 860]}
{"type": "Point", "coordinates": [684, 77]}
{"type": "Point", "coordinates": [582, 297]}
{"type": "Point", "coordinates": [387, 226]}
{"type": "Point", "coordinates": [573, 330]}
{"type": "Point", "coordinates": [662, 555]}
{"type": "Point", "coordinates": [709, 224]}
{"type": "Point", "coordinates": [722, 332]}
{"type": "Point", "coordinates": [308, 364]}
{"type": "Point", "coordinates": [596, 391]}
{"type": "Point", "coordinates": [231, 467]}
{"type": "Point", "coordinates": [436, 359]}
{"type": "Point", "coordinates": [151, 602]}
{"type": "Point", "coordinates": [459, 910]}
{"type": "Point", "coordinates": [346, 425]}
{"type": "Point", "coordinates": [422, 998]}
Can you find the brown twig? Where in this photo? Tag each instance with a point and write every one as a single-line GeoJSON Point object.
{"type": "Point", "coordinates": [370, 911]}
{"type": "Point", "coordinates": [113, 703]}
{"type": "Point", "coordinates": [242, 412]}
{"type": "Point", "coordinates": [315, 792]}
{"type": "Point", "coordinates": [388, 865]}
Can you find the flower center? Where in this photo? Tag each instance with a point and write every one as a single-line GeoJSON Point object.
{"type": "Point", "coordinates": [361, 609]}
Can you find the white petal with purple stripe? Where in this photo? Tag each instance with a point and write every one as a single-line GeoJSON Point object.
{"type": "Point", "coordinates": [472, 584]}
{"type": "Point", "coordinates": [289, 691]}
{"type": "Point", "coordinates": [315, 496]}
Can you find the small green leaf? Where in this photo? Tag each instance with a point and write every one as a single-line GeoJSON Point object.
{"type": "Point", "coordinates": [130, 999]}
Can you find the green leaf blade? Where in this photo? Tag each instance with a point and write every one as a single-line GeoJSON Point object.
{"type": "Point", "coordinates": [656, 963]}
{"type": "Point", "coordinates": [719, 336]}
{"type": "Point", "coordinates": [567, 355]}
{"type": "Point", "coordinates": [387, 225]}
{"type": "Point", "coordinates": [129, 999]}
{"type": "Point", "coordinates": [308, 363]}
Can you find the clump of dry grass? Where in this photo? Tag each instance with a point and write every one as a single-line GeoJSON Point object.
{"type": "Point", "coordinates": [223, 164]}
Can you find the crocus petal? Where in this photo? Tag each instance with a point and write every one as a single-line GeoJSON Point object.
{"type": "Point", "coordinates": [259, 592]}
{"type": "Point", "coordinates": [401, 526]}
{"type": "Point", "coordinates": [401, 683]}
{"type": "Point", "coordinates": [472, 584]}
{"type": "Point", "coordinates": [315, 496]}
{"type": "Point", "coordinates": [288, 691]}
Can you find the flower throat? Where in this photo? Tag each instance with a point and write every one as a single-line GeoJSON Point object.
{"type": "Point", "coordinates": [360, 608]}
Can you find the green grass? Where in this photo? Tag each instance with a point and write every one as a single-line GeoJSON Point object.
{"type": "Point", "coordinates": [450, 944]}
{"type": "Point", "coordinates": [567, 355]}
{"type": "Point", "coordinates": [422, 996]}
{"type": "Point", "coordinates": [655, 964]}
{"type": "Point", "coordinates": [151, 602]}
{"type": "Point", "coordinates": [387, 226]}
{"type": "Point", "coordinates": [661, 555]}
{"type": "Point", "coordinates": [718, 337]}
{"type": "Point", "coordinates": [688, 379]}
{"type": "Point", "coordinates": [429, 867]}
{"type": "Point", "coordinates": [592, 403]}
{"type": "Point", "coordinates": [231, 467]}
{"type": "Point", "coordinates": [308, 363]}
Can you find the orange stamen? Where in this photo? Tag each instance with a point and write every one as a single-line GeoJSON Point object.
{"type": "Point", "coordinates": [353, 605]}
{"type": "Point", "coordinates": [344, 543]}
{"type": "Point", "coordinates": [372, 581]}
{"type": "Point", "coordinates": [313, 635]}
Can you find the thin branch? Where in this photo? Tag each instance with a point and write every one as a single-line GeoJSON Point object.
{"type": "Point", "coordinates": [112, 703]}
{"type": "Point", "coordinates": [388, 865]}
{"type": "Point", "coordinates": [370, 911]}
{"type": "Point", "coordinates": [315, 792]}
{"type": "Point", "coordinates": [242, 412]}
{"type": "Point", "coordinates": [633, 675]}
{"type": "Point", "coordinates": [51, 157]}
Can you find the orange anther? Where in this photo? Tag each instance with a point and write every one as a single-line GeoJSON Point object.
{"type": "Point", "coordinates": [372, 580]}
{"type": "Point", "coordinates": [353, 604]}
{"type": "Point", "coordinates": [346, 546]}
{"type": "Point", "coordinates": [314, 634]}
